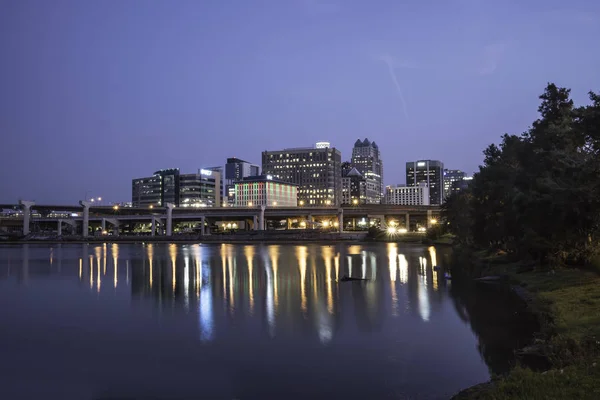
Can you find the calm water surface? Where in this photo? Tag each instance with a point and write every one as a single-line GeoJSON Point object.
{"type": "Point", "coordinates": [243, 322]}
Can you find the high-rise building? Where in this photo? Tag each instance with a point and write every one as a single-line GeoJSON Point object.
{"type": "Point", "coordinates": [264, 190]}
{"type": "Point", "coordinates": [156, 190]}
{"type": "Point", "coordinates": [354, 186]}
{"type": "Point", "coordinates": [236, 170]}
{"type": "Point", "coordinates": [202, 189]}
{"type": "Point", "coordinates": [451, 176]}
{"type": "Point", "coordinates": [407, 195]}
{"type": "Point", "coordinates": [316, 171]}
{"type": "Point", "coordinates": [430, 172]}
{"type": "Point", "coordinates": [366, 158]}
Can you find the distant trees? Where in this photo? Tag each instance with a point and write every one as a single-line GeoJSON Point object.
{"type": "Point", "coordinates": [538, 194]}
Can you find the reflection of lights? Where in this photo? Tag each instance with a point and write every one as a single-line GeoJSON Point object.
{"type": "Point", "coordinates": [104, 257]}
{"type": "Point", "coordinates": [115, 254]}
{"type": "Point", "coordinates": [150, 252]}
{"type": "Point", "coordinates": [186, 278]}
{"type": "Point", "coordinates": [364, 264]}
{"type": "Point", "coordinates": [403, 268]}
{"type": "Point", "coordinates": [80, 267]}
{"type": "Point", "coordinates": [206, 303]}
{"type": "Point", "coordinates": [392, 258]}
{"type": "Point", "coordinates": [327, 255]}
{"type": "Point", "coordinates": [198, 265]}
{"type": "Point", "coordinates": [349, 266]}
{"type": "Point", "coordinates": [424, 309]}
{"type": "Point", "coordinates": [91, 261]}
{"type": "Point", "coordinates": [173, 256]}
{"type": "Point", "coordinates": [249, 252]}
{"type": "Point", "coordinates": [274, 255]}
{"type": "Point", "coordinates": [269, 291]}
{"type": "Point", "coordinates": [336, 263]}
{"type": "Point", "coordinates": [432, 255]}
{"type": "Point", "coordinates": [301, 255]}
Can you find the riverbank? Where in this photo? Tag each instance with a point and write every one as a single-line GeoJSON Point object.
{"type": "Point", "coordinates": [287, 237]}
{"type": "Point", "coordinates": [567, 302]}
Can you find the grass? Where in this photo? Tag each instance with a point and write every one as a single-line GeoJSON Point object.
{"type": "Point", "coordinates": [568, 304]}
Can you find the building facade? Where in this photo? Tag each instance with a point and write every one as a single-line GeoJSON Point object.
{"type": "Point", "coordinates": [430, 172]}
{"type": "Point", "coordinates": [315, 170]}
{"type": "Point", "coordinates": [354, 186]}
{"type": "Point", "coordinates": [366, 158]}
{"type": "Point", "coordinates": [450, 177]}
{"type": "Point", "coordinates": [236, 170]}
{"type": "Point", "coordinates": [264, 190]}
{"type": "Point", "coordinates": [407, 195]}
{"type": "Point", "coordinates": [202, 189]}
{"type": "Point", "coordinates": [156, 190]}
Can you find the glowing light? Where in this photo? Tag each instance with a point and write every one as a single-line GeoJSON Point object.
{"type": "Point", "coordinates": [433, 221]}
{"type": "Point", "coordinates": [206, 172]}
{"type": "Point", "coordinates": [150, 252]}
{"type": "Point", "coordinates": [303, 224]}
{"type": "Point", "coordinates": [80, 267]}
{"type": "Point", "coordinates": [355, 201]}
{"type": "Point", "coordinates": [403, 268]}
{"type": "Point", "coordinates": [274, 204]}
{"type": "Point", "coordinates": [249, 253]}
{"type": "Point", "coordinates": [327, 256]}
{"type": "Point", "coordinates": [115, 207]}
{"type": "Point", "coordinates": [392, 258]}
{"type": "Point", "coordinates": [325, 223]}
{"type": "Point", "coordinates": [270, 177]}
{"type": "Point", "coordinates": [173, 255]}
{"type": "Point", "coordinates": [422, 229]}
{"type": "Point", "coordinates": [391, 230]}
{"type": "Point", "coordinates": [301, 202]}
{"type": "Point", "coordinates": [249, 204]}
{"type": "Point", "coordinates": [301, 255]}
{"type": "Point", "coordinates": [402, 230]}
{"type": "Point", "coordinates": [115, 254]}
{"type": "Point", "coordinates": [151, 206]}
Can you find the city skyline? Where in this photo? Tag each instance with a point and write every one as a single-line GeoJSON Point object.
{"type": "Point", "coordinates": [97, 94]}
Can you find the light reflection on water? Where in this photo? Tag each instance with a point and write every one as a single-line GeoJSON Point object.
{"type": "Point", "coordinates": [261, 305]}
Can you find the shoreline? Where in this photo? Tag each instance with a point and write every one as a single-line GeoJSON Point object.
{"type": "Point", "coordinates": [563, 340]}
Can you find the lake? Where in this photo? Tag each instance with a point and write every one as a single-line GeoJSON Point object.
{"type": "Point", "coordinates": [189, 321]}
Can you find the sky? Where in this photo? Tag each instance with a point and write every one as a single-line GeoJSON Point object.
{"type": "Point", "coordinates": [96, 93]}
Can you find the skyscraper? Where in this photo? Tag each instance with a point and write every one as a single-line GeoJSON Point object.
{"type": "Point", "coordinates": [354, 186]}
{"type": "Point", "coordinates": [316, 171]}
{"type": "Point", "coordinates": [430, 172]}
{"type": "Point", "coordinates": [451, 176]}
{"type": "Point", "coordinates": [366, 158]}
{"type": "Point", "coordinates": [236, 170]}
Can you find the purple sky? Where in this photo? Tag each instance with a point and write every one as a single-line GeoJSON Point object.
{"type": "Point", "coordinates": [95, 93]}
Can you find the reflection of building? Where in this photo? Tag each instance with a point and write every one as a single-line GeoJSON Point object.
{"type": "Point", "coordinates": [354, 186]}
{"type": "Point", "coordinates": [429, 172]}
{"type": "Point", "coordinates": [316, 171]}
{"type": "Point", "coordinates": [202, 189]}
{"type": "Point", "coordinates": [407, 195]}
{"type": "Point", "coordinates": [366, 158]}
{"type": "Point", "coordinates": [236, 170]}
{"type": "Point", "coordinates": [450, 177]}
{"type": "Point", "coordinates": [264, 190]}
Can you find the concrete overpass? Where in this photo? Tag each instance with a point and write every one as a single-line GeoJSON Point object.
{"type": "Point", "coordinates": [163, 218]}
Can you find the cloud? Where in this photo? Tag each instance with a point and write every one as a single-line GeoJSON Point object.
{"type": "Point", "coordinates": [492, 56]}
{"type": "Point", "coordinates": [386, 58]}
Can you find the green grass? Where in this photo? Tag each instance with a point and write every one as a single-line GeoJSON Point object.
{"type": "Point", "coordinates": [568, 303]}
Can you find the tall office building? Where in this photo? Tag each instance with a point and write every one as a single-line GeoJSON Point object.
{"type": "Point", "coordinates": [366, 158]}
{"type": "Point", "coordinates": [450, 177]}
{"type": "Point", "coordinates": [316, 171]}
{"type": "Point", "coordinates": [156, 190]}
{"type": "Point", "coordinates": [430, 172]}
{"type": "Point", "coordinates": [407, 195]}
{"type": "Point", "coordinates": [236, 170]}
{"type": "Point", "coordinates": [354, 186]}
{"type": "Point", "coordinates": [264, 190]}
{"type": "Point", "coordinates": [202, 189]}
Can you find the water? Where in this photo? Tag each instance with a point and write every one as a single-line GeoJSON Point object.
{"type": "Point", "coordinates": [242, 322]}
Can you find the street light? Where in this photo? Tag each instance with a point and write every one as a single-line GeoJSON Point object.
{"type": "Point", "coordinates": [151, 206]}
{"type": "Point", "coordinates": [355, 202]}
{"type": "Point", "coordinates": [115, 207]}
{"type": "Point", "coordinates": [249, 204]}
{"type": "Point", "coordinates": [274, 204]}
{"type": "Point", "coordinates": [433, 221]}
{"type": "Point", "coordinates": [301, 203]}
